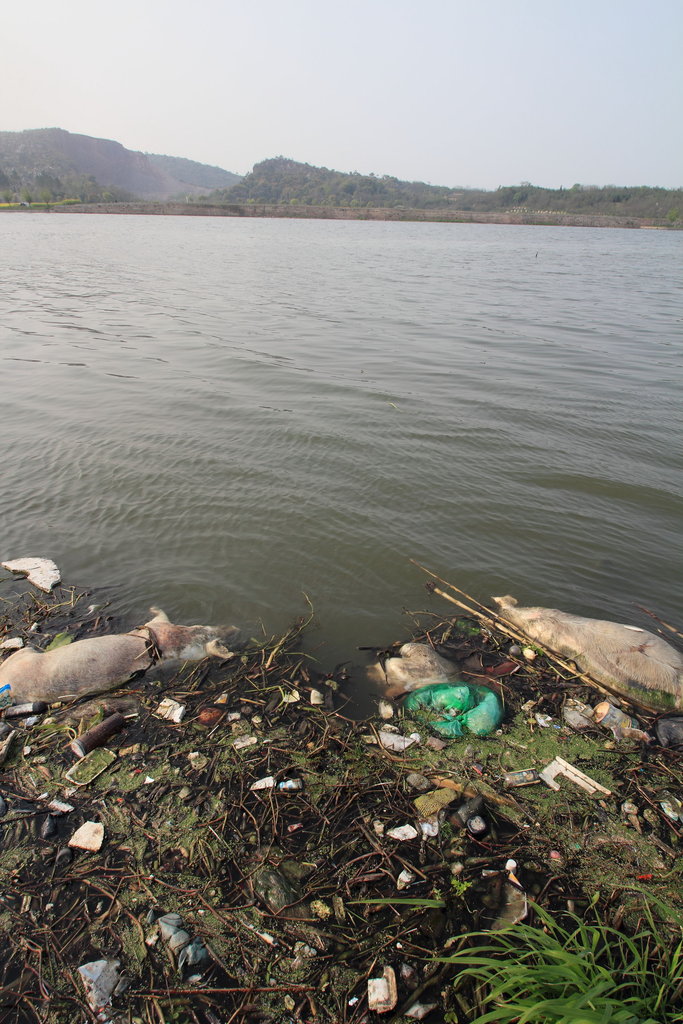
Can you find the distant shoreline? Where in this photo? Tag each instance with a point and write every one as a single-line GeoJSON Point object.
{"type": "Point", "coordinates": [296, 212]}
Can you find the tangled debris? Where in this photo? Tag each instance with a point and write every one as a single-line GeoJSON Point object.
{"type": "Point", "coordinates": [259, 856]}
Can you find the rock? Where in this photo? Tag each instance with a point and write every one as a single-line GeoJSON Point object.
{"type": "Point", "coordinates": [41, 572]}
{"type": "Point", "coordinates": [419, 782]}
{"type": "Point", "coordinates": [89, 836]}
{"type": "Point", "coordinates": [197, 760]}
{"type": "Point", "coordinates": [405, 879]}
{"type": "Point", "coordinates": [277, 893]}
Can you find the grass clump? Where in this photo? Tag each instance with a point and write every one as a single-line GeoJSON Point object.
{"type": "Point", "coordinates": [577, 972]}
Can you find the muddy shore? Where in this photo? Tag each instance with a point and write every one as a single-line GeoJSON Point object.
{"type": "Point", "coordinates": [447, 216]}
{"type": "Point", "coordinates": [266, 818]}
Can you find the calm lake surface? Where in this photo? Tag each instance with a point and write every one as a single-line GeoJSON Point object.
{"type": "Point", "coordinates": [222, 416]}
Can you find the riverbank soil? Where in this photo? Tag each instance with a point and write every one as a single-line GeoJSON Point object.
{"type": "Point", "coordinates": [301, 856]}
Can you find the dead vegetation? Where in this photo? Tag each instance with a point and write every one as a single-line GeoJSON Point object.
{"type": "Point", "coordinates": [294, 893]}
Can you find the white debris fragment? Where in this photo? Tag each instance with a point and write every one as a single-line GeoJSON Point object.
{"type": "Point", "coordinates": [317, 697]}
{"type": "Point", "coordinates": [41, 572]}
{"type": "Point", "coordinates": [59, 807]}
{"type": "Point", "coordinates": [394, 741]}
{"type": "Point", "coordinates": [429, 827]}
{"type": "Point", "coordinates": [405, 879]}
{"type": "Point", "coordinates": [402, 832]}
{"type": "Point", "coordinates": [420, 1010]}
{"type": "Point", "coordinates": [291, 698]}
{"type": "Point", "coordinates": [170, 710]}
{"type": "Point", "coordinates": [383, 992]}
{"type": "Point", "coordinates": [244, 741]}
{"type": "Point", "coordinates": [386, 709]}
{"type": "Point", "coordinates": [89, 836]}
{"type": "Point", "coordinates": [13, 643]}
{"type": "Point", "coordinates": [100, 978]}
{"type": "Point", "coordinates": [266, 783]}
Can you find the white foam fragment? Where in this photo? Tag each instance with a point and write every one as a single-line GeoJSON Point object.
{"type": "Point", "coordinates": [13, 643]}
{"type": "Point", "coordinates": [41, 572]}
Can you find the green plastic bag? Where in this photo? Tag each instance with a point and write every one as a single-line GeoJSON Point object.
{"type": "Point", "coordinates": [463, 707]}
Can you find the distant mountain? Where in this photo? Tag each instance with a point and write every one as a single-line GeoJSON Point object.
{"type": "Point", "coordinates": [191, 173]}
{"type": "Point", "coordinates": [59, 164]}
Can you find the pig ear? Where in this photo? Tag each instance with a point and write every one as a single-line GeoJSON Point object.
{"type": "Point", "coordinates": [219, 650]}
{"type": "Point", "coordinates": [159, 616]}
{"type": "Point", "coordinates": [505, 602]}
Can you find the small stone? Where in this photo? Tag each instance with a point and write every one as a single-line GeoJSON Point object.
{"type": "Point", "coordinates": [63, 858]}
{"type": "Point", "coordinates": [210, 716]}
{"type": "Point", "coordinates": [89, 836]}
{"type": "Point", "coordinates": [321, 909]}
{"type": "Point", "coordinates": [197, 760]}
{"type": "Point", "coordinates": [419, 782]}
{"type": "Point", "coordinates": [405, 879]}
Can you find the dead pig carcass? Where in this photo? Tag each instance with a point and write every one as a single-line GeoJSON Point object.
{"type": "Point", "coordinates": [629, 660]}
{"type": "Point", "coordinates": [416, 665]}
{"type": "Point", "coordinates": [101, 663]}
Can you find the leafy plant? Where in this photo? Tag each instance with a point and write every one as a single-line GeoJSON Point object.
{"type": "Point", "coordinates": [578, 972]}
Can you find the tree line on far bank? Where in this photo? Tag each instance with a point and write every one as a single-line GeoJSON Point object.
{"type": "Point", "coordinates": [284, 181]}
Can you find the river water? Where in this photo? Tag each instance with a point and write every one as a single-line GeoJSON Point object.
{"type": "Point", "coordinates": [231, 418]}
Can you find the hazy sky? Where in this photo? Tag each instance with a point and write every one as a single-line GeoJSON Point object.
{"type": "Point", "coordinates": [480, 93]}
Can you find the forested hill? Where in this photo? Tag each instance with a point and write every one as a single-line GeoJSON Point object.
{"type": "Point", "coordinates": [192, 173]}
{"type": "Point", "coordinates": [50, 164]}
{"type": "Point", "coordinates": [280, 180]}
{"type": "Point", "coordinates": [284, 181]}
